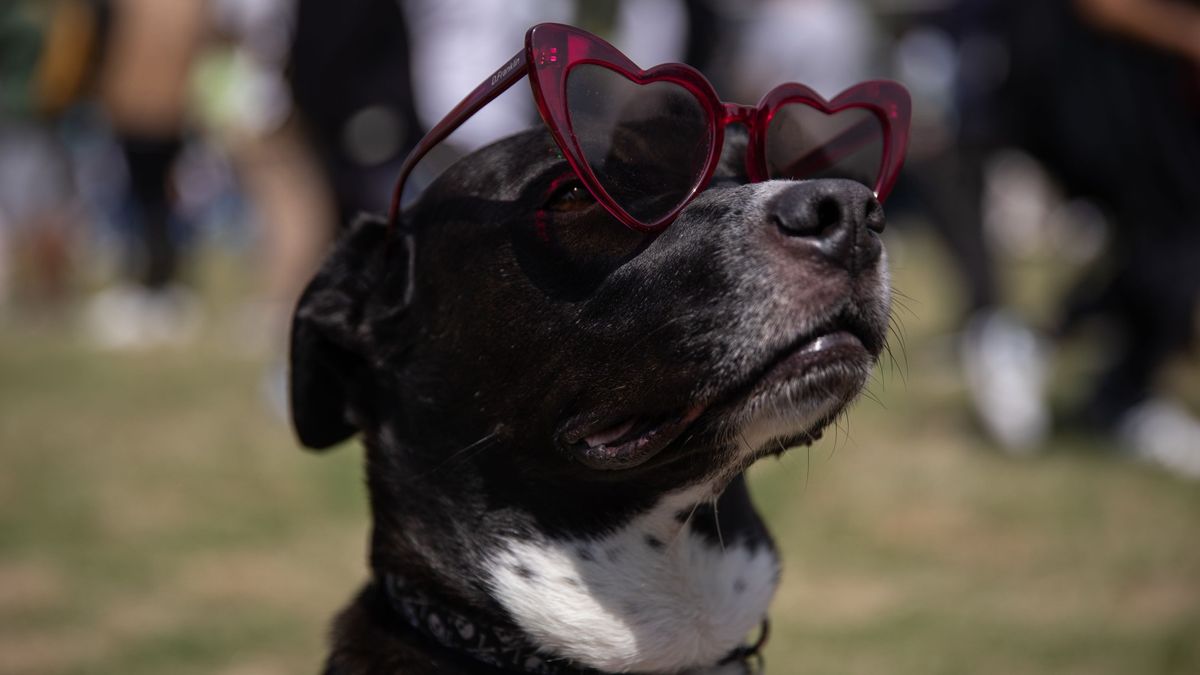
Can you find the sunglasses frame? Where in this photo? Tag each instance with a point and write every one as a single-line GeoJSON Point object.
{"type": "Point", "coordinates": [554, 50]}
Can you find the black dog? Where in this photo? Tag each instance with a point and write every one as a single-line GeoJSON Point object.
{"type": "Point", "coordinates": [557, 410]}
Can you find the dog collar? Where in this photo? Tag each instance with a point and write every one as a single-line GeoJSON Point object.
{"type": "Point", "coordinates": [506, 648]}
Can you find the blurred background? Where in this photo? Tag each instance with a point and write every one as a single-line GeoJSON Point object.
{"type": "Point", "coordinates": [1018, 493]}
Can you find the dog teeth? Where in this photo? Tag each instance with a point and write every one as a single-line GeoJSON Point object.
{"type": "Point", "coordinates": [608, 436]}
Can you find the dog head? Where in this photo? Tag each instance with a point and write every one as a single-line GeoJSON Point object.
{"type": "Point", "coordinates": [510, 309]}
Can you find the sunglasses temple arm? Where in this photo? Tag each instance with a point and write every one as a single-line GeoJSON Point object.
{"type": "Point", "coordinates": [499, 82]}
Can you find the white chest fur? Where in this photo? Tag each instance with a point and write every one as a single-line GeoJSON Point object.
{"type": "Point", "coordinates": [653, 596]}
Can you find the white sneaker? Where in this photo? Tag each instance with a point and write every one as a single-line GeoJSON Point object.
{"type": "Point", "coordinates": [129, 316]}
{"type": "Point", "coordinates": [1162, 432]}
{"type": "Point", "coordinates": [1005, 367]}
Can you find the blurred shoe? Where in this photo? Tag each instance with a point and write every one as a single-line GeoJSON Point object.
{"type": "Point", "coordinates": [130, 316]}
{"type": "Point", "coordinates": [274, 389]}
{"type": "Point", "coordinates": [1005, 367]}
{"type": "Point", "coordinates": [1164, 433]}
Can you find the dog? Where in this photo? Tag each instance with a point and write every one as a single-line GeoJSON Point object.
{"type": "Point", "coordinates": [558, 410]}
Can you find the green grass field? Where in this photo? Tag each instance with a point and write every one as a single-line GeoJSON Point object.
{"type": "Point", "coordinates": [155, 518]}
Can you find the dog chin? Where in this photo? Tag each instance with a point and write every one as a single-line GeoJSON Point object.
{"type": "Point", "coordinates": [794, 411]}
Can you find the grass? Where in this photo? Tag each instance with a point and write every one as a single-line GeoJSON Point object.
{"type": "Point", "coordinates": [155, 518]}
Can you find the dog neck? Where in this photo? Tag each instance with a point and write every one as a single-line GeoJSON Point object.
{"type": "Point", "coordinates": [510, 651]}
{"type": "Point", "coordinates": [657, 595]}
{"type": "Point", "coordinates": [674, 587]}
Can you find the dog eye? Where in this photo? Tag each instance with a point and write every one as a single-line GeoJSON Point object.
{"type": "Point", "coordinates": [571, 196]}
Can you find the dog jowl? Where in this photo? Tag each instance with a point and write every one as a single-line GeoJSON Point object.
{"type": "Point", "coordinates": [557, 409]}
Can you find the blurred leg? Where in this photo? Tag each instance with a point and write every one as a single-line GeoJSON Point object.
{"type": "Point", "coordinates": [295, 211]}
{"type": "Point", "coordinates": [297, 218]}
{"type": "Point", "coordinates": [149, 160]}
{"type": "Point", "coordinates": [949, 186]}
{"type": "Point", "coordinates": [1155, 299]}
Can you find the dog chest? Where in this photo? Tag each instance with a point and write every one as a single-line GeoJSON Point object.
{"type": "Point", "coordinates": [654, 595]}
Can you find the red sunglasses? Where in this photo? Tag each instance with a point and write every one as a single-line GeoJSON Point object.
{"type": "Point", "coordinates": [645, 142]}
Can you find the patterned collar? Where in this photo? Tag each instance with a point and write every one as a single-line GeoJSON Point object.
{"type": "Point", "coordinates": [506, 649]}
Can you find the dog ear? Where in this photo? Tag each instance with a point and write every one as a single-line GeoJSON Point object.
{"type": "Point", "coordinates": [331, 335]}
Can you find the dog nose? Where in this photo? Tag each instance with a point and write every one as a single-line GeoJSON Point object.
{"type": "Point", "coordinates": [841, 218]}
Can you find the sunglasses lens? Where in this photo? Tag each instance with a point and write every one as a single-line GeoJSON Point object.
{"type": "Point", "coordinates": [647, 144]}
{"type": "Point", "coordinates": [803, 142]}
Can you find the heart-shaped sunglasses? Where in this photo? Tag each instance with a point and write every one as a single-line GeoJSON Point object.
{"type": "Point", "coordinates": [645, 142]}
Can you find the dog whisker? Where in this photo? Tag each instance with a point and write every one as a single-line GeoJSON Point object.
{"type": "Point", "coordinates": [896, 328]}
{"type": "Point", "coordinates": [683, 527]}
{"type": "Point", "coordinates": [877, 377]}
{"type": "Point", "coordinates": [745, 443]}
{"type": "Point", "coordinates": [867, 394]}
{"type": "Point", "coordinates": [905, 309]}
{"type": "Point", "coordinates": [896, 331]}
{"type": "Point", "coordinates": [683, 318]}
{"type": "Point", "coordinates": [478, 446]}
{"type": "Point", "coordinates": [837, 434]}
{"type": "Point", "coordinates": [717, 524]}
{"type": "Point", "coordinates": [841, 426]}
{"type": "Point", "coordinates": [901, 299]}
{"type": "Point", "coordinates": [896, 324]}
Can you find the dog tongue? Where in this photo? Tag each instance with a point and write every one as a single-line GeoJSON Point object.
{"type": "Point", "coordinates": [608, 436]}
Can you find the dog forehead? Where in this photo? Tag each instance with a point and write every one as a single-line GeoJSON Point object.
{"type": "Point", "coordinates": [504, 169]}
{"type": "Point", "coordinates": [501, 170]}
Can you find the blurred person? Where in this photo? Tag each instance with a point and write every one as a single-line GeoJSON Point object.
{"type": "Point", "coordinates": [275, 161]}
{"type": "Point", "coordinates": [952, 60]}
{"type": "Point", "coordinates": [313, 102]}
{"type": "Point", "coordinates": [246, 102]}
{"type": "Point", "coordinates": [481, 33]}
{"type": "Point", "coordinates": [45, 48]}
{"type": "Point", "coordinates": [1105, 94]}
{"type": "Point", "coordinates": [1123, 128]}
{"type": "Point", "coordinates": [143, 90]}
{"type": "Point", "coordinates": [825, 44]}
{"type": "Point", "coordinates": [953, 76]}
{"type": "Point", "coordinates": [350, 73]}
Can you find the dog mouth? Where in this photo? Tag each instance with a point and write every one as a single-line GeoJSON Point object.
{"type": "Point", "coordinates": [812, 354]}
{"type": "Point", "coordinates": [818, 357]}
{"type": "Point", "coordinates": [831, 358]}
{"type": "Point", "coordinates": [629, 443]}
